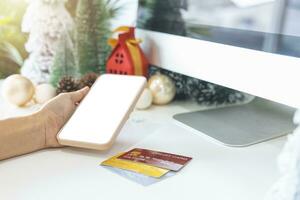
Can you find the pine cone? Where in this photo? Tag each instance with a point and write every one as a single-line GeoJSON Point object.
{"type": "Point", "coordinates": [88, 80]}
{"type": "Point", "coordinates": [67, 84]}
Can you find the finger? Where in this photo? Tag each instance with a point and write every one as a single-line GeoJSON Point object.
{"type": "Point", "coordinates": [79, 95]}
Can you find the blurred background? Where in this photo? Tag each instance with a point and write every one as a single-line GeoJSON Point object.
{"type": "Point", "coordinates": [270, 25]}
{"type": "Point", "coordinates": [12, 40]}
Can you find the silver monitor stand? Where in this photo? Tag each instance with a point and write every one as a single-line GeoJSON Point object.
{"type": "Point", "coordinates": [242, 125]}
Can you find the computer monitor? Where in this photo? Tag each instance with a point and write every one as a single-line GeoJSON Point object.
{"type": "Point", "coordinates": [250, 46]}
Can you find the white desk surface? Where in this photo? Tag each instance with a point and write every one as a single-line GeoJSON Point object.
{"type": "Point", "coordinates": [216, 172]}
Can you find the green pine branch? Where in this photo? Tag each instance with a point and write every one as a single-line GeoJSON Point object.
{"type": "Point", "coordinates": [64, 61]}
{"type": "Point", "coordinates": [93, 29]}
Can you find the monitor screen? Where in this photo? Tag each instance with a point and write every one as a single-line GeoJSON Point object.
{"type": "Point", "coordinates": [264, 25]}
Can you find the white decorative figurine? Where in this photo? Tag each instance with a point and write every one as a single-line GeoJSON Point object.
{"type": "Point", "coordinates": [45, 21]}
{"type": "Point", "coordinates": [288, 185]}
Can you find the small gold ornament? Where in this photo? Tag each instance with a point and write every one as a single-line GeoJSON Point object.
{"type": "Point", "coordinates": [162, 88]}
{"type": "Point", "coordinates": [18, 90]}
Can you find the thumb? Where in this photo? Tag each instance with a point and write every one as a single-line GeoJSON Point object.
{"type": "Point", "coordinates": [77, 96]}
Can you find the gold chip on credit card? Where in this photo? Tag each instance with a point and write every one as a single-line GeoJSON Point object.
{"type": "Point", "coordinates": [135, 167]}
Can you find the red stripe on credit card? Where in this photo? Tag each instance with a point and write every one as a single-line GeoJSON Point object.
{"type": "Point", "coordinates": [156, 158]}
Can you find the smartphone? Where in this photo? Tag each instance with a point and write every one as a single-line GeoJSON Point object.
{"type": "Point", "coordinates": [103, 112]}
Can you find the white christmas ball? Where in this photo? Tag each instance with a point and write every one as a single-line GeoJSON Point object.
{"type": "Point", "coordinates": [162, 88]}
{"type": "Point", "coordinates": [44, 93]}
{"type": "Point", "coordinates": [297, 117]}
{"type": "Point", "coordinates": [17, 90]}
{"type": "Point", "coordinates": [145, 100]}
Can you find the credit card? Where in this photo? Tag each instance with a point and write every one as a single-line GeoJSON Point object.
{"type": "Point", "coordinates": [156, 158]}
{"type": "Point", "coordinates": [141, 168]}
{"type": "Point", "coordinates": [139, 178]}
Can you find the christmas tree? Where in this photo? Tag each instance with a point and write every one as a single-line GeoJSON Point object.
{"type": "Point", "coordinates": [45, 21]}
{"type": "Point", "coordinates": [93, 30]}
{"type": "Point", "coordinates": [64, 60]}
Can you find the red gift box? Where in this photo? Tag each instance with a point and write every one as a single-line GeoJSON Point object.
{"type": "Point", "coordinates": [127, 57]}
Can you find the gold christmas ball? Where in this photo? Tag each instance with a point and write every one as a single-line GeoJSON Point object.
{"type": "Point", "coordinates": [18, 90]}
{"type": "Point", "coordinates": [162, 88]}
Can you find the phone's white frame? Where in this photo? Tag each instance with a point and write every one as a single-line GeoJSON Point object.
{"type": "Point", "coordinates": [88, 132]}
{"type": "Point", "coordinates": [270, 76]}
